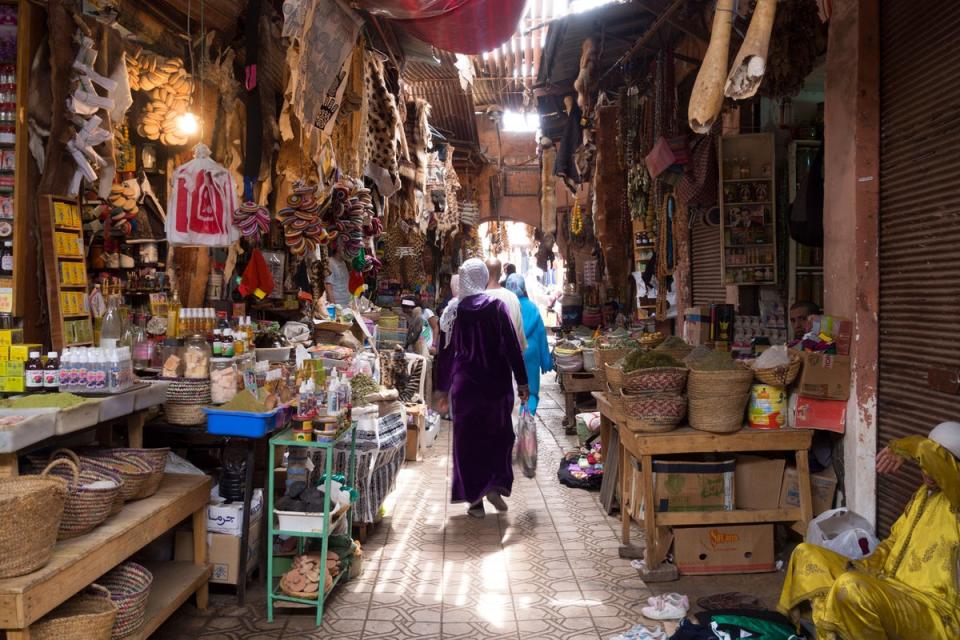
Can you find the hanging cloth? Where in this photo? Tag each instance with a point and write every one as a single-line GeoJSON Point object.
{"type": "Point", "coordinates": [201, 204]}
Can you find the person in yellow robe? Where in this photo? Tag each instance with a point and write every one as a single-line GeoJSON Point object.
{"type": "Point", "coordinates": [908, 588]}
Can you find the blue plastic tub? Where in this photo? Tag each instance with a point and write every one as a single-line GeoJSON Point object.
{"type": "Point", "coordinates": [242, 423]}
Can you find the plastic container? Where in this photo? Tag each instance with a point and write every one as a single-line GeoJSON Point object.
{"type": "Point", "coordinates": [768, 407]}
{"type": "Point", "coordinates": [223, 380]}
{"type": "Point", "coordinates": [242, 423]}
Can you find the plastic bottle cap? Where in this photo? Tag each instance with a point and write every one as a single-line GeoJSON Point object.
{"type": "Point", "coordinates": [34, 354]}
{"type": "Point", "coordinates": [51, 354]}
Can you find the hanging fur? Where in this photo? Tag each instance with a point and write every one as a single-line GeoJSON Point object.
{"type": "Point", "coordinates": [585, 84]}
{"type": "Point", "coordinates": [548, 188]}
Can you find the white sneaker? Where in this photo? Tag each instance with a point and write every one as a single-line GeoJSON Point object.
{"type": "Point", "coordinates": [665, 610]}
{"type": "Point", "coordinates": [673, 598]}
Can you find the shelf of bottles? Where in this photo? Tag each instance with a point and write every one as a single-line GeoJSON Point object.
{"type": "Point", "coordinates": [747, 197]}
{"type": "Point", "coordinates": [8, 114]}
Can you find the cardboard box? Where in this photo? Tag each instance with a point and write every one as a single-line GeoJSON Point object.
{"type": "Point", "coordinates": [757, 482]}
{"type": "Point", "coordinates": [696, 325]}
{"type": "Point", "coordinates": [825, 377]}
{"type": "Point", "coordinates": [823, 486]}
{"type": "Point", "coordinates": [693, 486]}
{"type": "Point", "coordinates": [228, 518]}
{"type": "Point", "coordinates": [828, 415]}
{"type": "Point", "coordinates": [223, 552]}
{"type": "Point", "coordinates": [714, 550]}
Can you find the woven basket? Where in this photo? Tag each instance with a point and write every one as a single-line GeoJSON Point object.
{"type": "Point", "coordinates": [87, 616]}
{"type": "Point", "coordinates": [613, 375]}
{"type": "Point", "coordinates": [718, 399]}
{"type": "Point", "coordinates": [185, 414]}
{"type": "Point", "coordinates": [88, 473]}
{"type": "Point", "coordinates": [86, 507]}
{"type": "Point", "coordinates": [781, 376]}
{"type": "Point", "coordinates": [155, 458]}
{"type": "Point", "coordinates": [609, 357]}
{"type": "Point", "coordinates": [655, 412]}
{"type": "Point", "coordinates": [129, 585]}
{"type": "Point", "coordinates": [135, 472]}
{"type": "Point", "coordinates": [30, 512]}
{"type": "Point", "coordinates": [655, 380]}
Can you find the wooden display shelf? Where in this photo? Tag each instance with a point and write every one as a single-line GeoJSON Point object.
{"type": "Point", "coordinates": [79, 561]}
{"type": "Point", "coordinates": [173, 583]}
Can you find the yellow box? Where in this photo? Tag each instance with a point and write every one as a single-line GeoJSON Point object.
{"type": "Point", "coordinates": [13, 384]}
{"type": "Point", "coordinates": [10, 336]}
{"type": "Point", "coordinates": [4, 352]}
{"type": "Point", "coordinates": [13, 369]}
{"type": "Point", "coordinates": [21, 352]}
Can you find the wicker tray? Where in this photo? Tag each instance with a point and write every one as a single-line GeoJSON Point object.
{"type": "Point", "coordinates": [781, 376]}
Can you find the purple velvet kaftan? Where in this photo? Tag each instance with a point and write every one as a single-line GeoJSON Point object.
{"type": "Point", "coordinates": [476, 368]}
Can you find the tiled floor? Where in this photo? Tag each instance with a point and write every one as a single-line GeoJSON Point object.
{"type": "Point", "coordinates": [546, 569]}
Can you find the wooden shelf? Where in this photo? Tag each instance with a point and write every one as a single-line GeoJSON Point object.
{"type": "Point", "coordinates": [173, 584]}
{"type": "Point", "coordinates": [79, 561]}
{"type": "Point", "coordinates": [767, 179]}
{"type": "Point", "coordinates": [744, 204]}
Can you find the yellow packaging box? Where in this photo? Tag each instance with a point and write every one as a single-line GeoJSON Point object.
{"type": "Point", "coordinates": [13, 369]}
{"type": "Point", "coordinates": [10, 336]}
{"type": "Point", "coordinates": [21, 352]}
{"type": "Point", "coordinates": [13, 385]}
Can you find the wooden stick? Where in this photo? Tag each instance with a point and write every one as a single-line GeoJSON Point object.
{"type": "Point", "coordinates": [751, 61]}
{"type": "Point", "coordinates": [707, 97]}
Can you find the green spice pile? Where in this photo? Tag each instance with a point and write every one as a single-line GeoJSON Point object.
{"type": "Point", "coordinates": [623, 343]}
{"type": "Point", "coordinates": [673, 342]}
{"type": "Point", "coordinates": [647, 360]}
{"type": "Point", "coordinates": [713, 361]}
{"type": "Point", "coordinates": [44, 401]}
{"type": "Point", "coordinates": [362, 385]}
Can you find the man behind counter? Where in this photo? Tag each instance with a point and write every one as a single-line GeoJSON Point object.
{"type": "Point", "coordinates": [800, 314]}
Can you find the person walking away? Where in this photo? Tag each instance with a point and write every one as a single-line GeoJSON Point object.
{"type": "Point", "coordinates": [494, 290]}
{"type": "Point", "coordinates": [908, 587]}
{"type": "Point", "coordinates": [479, 358]}
{"type": "Point", "coordinates": [536, 357]}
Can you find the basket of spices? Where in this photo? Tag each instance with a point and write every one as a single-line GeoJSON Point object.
{"type": "Point", "coordinates": [34, 505]}
{"type": "Point", "coordinates": [654, 412]}
{"type": "Point", "coordinates": [674, 347]}
{"type": "Point", "coordinates": [611, 352]}
{"type": "Point", "coordinates": [651, 372]}
{"type": "Point", "coordinates": [89, 615]}
{"type": "Point", "coordinates": [129, 585]}
{"type": "Point", "coordinates": [718, 391]}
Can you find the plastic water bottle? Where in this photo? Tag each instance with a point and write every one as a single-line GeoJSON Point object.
{"type": "Point", "coordinates": [113, 366]}
{"type": "Point", "coordinates": [81, 368]}
{"type": "Point", "coordinates": [333, 395]}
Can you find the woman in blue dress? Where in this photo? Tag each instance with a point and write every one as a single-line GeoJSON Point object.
{"type": "Point", "coordinates": [537, 356]}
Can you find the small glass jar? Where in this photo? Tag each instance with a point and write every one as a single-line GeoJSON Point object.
{"type": "Point", "coordinates": [171, 359]}
{"type": "Point", "coordinates": [196, 358]}
{"type": "Point", "coordinates": [223, 380]}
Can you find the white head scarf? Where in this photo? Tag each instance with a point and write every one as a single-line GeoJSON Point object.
{"type": "Point", "coordinates": [470, 281]}
{"type": "Point", "coordinates": [947, 435]}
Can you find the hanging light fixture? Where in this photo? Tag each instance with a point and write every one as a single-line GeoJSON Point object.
{"type": "Point", "coordinates": [188, 124]}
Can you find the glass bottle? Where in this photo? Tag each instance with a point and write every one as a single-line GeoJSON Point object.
{"type": "Point", "coordinates": [51, 373]}
{"type": "Point", "coordinates": [173, 315]}
{"type": "Point", "coordinates": [143, 346]}
{"type": "Point", "coordinates": [111, 327]}
{"type": "Point", "coordinates": [6, 259]}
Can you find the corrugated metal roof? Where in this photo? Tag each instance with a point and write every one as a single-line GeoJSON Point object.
{"type": "Point", "coordinates": [452, 110]}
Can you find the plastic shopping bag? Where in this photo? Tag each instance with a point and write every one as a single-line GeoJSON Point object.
{"type": "Point", "coordinates": [527, 443]}
{"type": "Point", "coordinates": [843, 531]}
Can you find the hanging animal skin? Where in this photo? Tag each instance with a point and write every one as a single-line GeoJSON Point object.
{"type": "Point", "coordinates": [751, 62]}
{"type": "Point", "coordinates": [706, 100]}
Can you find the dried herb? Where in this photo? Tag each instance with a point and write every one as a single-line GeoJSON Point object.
{"type": "Point", "coordinates": [647, 360]}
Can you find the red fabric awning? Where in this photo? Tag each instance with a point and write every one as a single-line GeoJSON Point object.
{"type": "Point", "coordinates": [469, 27]}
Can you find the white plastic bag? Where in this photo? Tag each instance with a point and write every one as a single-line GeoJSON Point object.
{"type": "Point", "coordinates": [843, 531]}
{"type": "Point", "coordinates": [527, 443]}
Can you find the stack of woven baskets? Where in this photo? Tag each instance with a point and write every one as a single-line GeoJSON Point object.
{"type": "Point", "coordinates": [185, 400]}
{"type": "Point", "coordinates": [718, 399]}
{"type": "Point", "coordinates": [31, 508]}
{"type": "Point", "coordinates": [652, 398]}
{"type": "Point", "coordinates": [112, 609]}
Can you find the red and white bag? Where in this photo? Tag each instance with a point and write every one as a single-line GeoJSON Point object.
{"type": "Point", "coordinates": [201, 205]}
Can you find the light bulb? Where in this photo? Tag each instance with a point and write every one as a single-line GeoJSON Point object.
{"type": "Point", "coordinates": [188, 124]}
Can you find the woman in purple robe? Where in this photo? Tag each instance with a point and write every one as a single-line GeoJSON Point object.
{"type": "Point", "coordinates": [479, 356]}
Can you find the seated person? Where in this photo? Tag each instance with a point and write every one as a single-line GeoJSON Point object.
{"type": "Point", "coordinates": [800, 313]}
{"type": "Point", "coordinates": [908, 587]}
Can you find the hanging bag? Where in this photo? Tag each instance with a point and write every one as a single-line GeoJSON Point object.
{"type": "Point", "coordinates": [527, 443]}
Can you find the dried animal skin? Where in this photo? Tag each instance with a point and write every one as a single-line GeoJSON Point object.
{"type": "Point", "coordinates": [706, 100]}
{"type": "Point", "coordinates": [751, 62]}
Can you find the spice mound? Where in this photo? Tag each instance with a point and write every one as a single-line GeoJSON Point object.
{"type": "Point", "coordinates": [249, 403]}
{"type": "Point", "coordinates": [647, 360]}
{"type": "Point", "coordinates": [714, 361]}
{"type": "Point", "coordinates": [44, 401]}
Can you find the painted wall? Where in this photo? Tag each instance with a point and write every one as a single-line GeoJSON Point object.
{"type": "Point", "coordinates": [851, 232]}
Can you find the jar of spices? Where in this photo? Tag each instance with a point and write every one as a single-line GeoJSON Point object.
{"type": "Point", "coordinates": [196, 357]}
{"type": "Point", "coordinates": [223, 380]}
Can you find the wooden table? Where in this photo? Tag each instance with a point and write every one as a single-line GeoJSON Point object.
{"type": "Point", "coordinates": [570, 385]}
{"type": "Point", "coordinates": [79, 561]}
{"type": "Point", "coordinates": [643, 447]}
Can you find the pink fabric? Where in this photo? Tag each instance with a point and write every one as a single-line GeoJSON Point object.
{"type": "Point", "coordinates": [472, 27]}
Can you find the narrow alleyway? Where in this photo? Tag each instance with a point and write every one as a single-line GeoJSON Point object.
{"type": "Point", "coordinates": [546, 569]}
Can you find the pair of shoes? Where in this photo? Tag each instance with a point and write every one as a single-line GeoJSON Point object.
{"type": "Point", "coordinates": [476, 510]}
{"type": "Point", "coordinates": [670, 606]}
{"type": "Point", "coordinates": [497, 501]}
{"type": "Point", "coordinates": [640, 632]}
